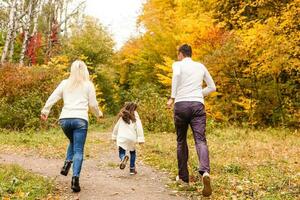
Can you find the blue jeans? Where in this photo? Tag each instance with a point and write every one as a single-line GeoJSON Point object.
{"type": "Point", "coordinates": [122, 153]}
{"type": "Point", "coordinates": [76, 130]}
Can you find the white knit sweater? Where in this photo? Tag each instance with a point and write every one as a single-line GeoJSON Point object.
{"type": "Point", "coordinates": [187, 80]}
{"type": "Point", "coordinates": [76, 101]}
{"type": "Point", "coordinates": [127, 135]}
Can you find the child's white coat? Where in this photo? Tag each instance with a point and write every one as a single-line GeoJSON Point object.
{"type": "Point", "coordinates": [127, 135]}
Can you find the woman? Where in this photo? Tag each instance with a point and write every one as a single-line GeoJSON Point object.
{"type": "Point", "coordinates": [78, 94]}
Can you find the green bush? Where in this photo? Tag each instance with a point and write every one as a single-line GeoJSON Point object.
{"type": "Point", "coordinates": [155, 116]}
{"type": "Point", "coordinates": [23, 92]}
{"type": "Point", "coordinates": [152, 108]}
{"type": "Point", "coordinates": [106, 90]}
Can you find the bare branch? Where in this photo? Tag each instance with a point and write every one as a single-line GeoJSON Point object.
{"type": "Point", "coordinates": [74, 12]}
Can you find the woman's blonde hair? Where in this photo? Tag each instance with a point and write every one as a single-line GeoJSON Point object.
{"type": "Point", "coordinates": [79, 75]}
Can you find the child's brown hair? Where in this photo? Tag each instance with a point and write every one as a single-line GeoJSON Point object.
{"type": "Point", "coordinates": [127, 112]}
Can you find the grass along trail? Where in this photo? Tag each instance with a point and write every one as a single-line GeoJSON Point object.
{"type": "Point", "coordinates": [246, 164]}
{"type": "Point", "coordinates": [101, 178]}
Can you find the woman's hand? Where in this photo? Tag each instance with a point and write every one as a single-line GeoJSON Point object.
{"type": "Point", "coordinates": [44, 117]}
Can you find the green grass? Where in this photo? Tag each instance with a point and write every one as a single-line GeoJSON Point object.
{"type": "Point", "coordinates": [44, 143]}
{"type": "Point", "coordinates": [16, 183]}
{"type": "Point", "coordinates": [53, 143]}
{"type": "Point", "coordinates": [245, 164]}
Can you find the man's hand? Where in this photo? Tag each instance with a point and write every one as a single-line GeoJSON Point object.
{"type": "Point", "coordinates": [44, 117]}
{"type": "Point", "coordinates": [101, 115]}
{"type": "Point", "coordinates": [170, 103]}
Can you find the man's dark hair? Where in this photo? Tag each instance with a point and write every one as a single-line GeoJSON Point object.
{"type": "Point", "coordinates": [186, 50]}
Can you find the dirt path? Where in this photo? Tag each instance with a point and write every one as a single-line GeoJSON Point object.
{"type": "Point", "coordinates": [100, 178]}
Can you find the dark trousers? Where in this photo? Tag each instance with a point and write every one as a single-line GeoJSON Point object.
{"type": "Point", "coordinates": [190, 113]}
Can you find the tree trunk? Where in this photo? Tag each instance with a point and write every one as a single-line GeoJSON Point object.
{"type": "Point", "coordinates": [9, 31]}
{"type": "Point", "coordinates": [39, 4]}
{"type": "Point", "coordinates": [26, 32]}
{"type": "Point", "coordinates": [50, 20]}
{"type": "Point", "coordinates": [12, 43]}
{"type": "Point", "coordinates": [66, 15]}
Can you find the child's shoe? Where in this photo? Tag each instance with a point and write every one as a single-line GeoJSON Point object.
{"type": "Point", "coordinates": [133, 171]}
{"type": "Point", "coordinates": [123, 162]}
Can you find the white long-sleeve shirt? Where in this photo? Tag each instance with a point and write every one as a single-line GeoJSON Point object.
{"type": "Point", "coordinates": [76, 101]}
{"type": "Point", "coordinates": [187, 80]}
{"type": "Point", "coordinates": [127, 135]}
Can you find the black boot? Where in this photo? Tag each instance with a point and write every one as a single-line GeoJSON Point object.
{"type": "Point", "coordinates": [65, 169]}
{"type": "Point", "coordinates": [75, 184]}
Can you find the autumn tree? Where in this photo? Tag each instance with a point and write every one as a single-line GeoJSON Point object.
{"type": "Point", "coordinates": [250, 47]}
{"type": "Point", "coordinates": [28, 23]}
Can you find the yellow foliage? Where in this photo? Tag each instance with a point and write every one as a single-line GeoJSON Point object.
{"type": "Point", "coordinates": [251, 49]}
{"type": "Point", "coordinates": [165, 77]}
{"type": "Point", "coordinates": [61, 62]}
{"type": "Point", "coordinates": [246, 103]}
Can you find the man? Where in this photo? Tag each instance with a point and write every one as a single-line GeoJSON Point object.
{"type": "Point", "coordinates": [188, 95]}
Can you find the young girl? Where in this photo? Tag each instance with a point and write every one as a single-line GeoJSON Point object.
{"type": "Point", "coordinates": [128, 131]}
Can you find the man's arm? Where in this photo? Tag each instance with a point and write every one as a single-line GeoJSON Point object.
{"type": "Point", "coordinates": [175, 76]}
{"type": "Point", "coordinates": [211, 87]}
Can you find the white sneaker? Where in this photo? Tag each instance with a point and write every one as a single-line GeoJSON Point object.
{"type": "Point", "coordinates": [181, 182]}
{"type": "Point", "coordinates": [206, 185]}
